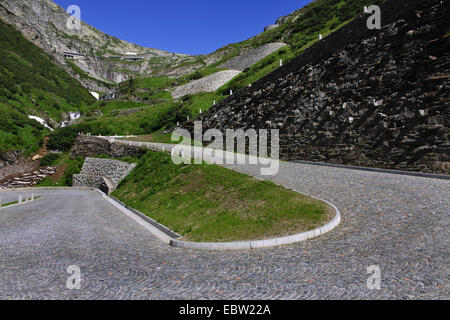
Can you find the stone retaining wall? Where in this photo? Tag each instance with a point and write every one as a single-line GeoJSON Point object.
{"type": "Point", "coordinates": [88, 146]}
{"type": "Point", "coordinates": [113, 170]}
{"type": "Point", "coordinates": [85, 180]}
{"type": "Point", "coordinates": [103, 174]}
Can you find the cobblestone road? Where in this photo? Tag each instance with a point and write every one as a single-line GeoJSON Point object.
{"type": "Point", "coordinates": [399, 223]}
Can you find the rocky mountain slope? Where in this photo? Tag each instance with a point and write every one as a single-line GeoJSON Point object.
{"type": "Point", "coordinates": [45, 24]}
{"type": "Point", "coordinates": [370, 98]}
{"type": "Point", "coordinates": [95, 58]}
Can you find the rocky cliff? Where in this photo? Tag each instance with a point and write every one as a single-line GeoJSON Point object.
{"type": "Point", "coordinates": [45, 23]}
{"type": "Point", "coordinates": [9, 157]}
{"type": "Point", "coordinates": [375, 98]}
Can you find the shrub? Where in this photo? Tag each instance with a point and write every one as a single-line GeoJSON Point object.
{"type": "Point", "coordinates": [74, 167]}
{"type": "Point", "coordinates": [62, 139]}
{"type": "Point", "coordinates": [186, 97]}
{"type": "Point", "coordinates": [176, 113]}
{"type": "Point", "coordinates": [50, 159]}
{"type": "Point", "coordinates": [195, 76]}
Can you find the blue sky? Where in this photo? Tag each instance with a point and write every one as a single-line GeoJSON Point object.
{"type": "Point", "coordinates": [183, 26]}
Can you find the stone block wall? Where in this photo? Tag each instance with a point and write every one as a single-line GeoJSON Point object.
{"type": "Point", "coordinates": [103, 174]}
{"type": "Point", "coordinates": [85, 180]}
{"type": "Point", "coordinates": [113, 170]}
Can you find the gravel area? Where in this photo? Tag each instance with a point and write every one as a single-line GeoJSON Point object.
{"type": "Point", "coordinates": [252, 56]}
{"type": "Point", "coordinates": [236, 65]}
{"type": "Point", "coordinates": [207, 84]}
{"type": "Point", "coordinates": [400, 223]}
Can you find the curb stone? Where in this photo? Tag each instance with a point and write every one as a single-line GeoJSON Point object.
{"type": "Point", "coordinates": [157, 232]}
{"type": "Point", "coordinates": [260, 244]}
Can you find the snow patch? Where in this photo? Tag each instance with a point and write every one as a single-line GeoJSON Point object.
{"type": "Point", "coordinates": [41, 121]}
{"type": "Point", "coordinates": [74, 115]}
{"type": "Point", "coordinates": [95, 94]}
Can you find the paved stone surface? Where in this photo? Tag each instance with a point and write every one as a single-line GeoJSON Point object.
{"type": "Point", "coordinates": [399, 223]}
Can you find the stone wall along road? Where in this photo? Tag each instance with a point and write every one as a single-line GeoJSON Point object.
{"type": "Point", "coordinates": [103, 174]}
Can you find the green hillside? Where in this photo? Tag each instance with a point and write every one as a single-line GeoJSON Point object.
{"type": "Point", "coordinates": [31, 84]}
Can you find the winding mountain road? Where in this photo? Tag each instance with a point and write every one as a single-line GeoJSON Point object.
{"type": "Point", "coordinates": [399, 223]}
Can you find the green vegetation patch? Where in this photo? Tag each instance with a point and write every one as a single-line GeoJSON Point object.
{"type": "Point", "coordinates": [31, 84]}
{"type": "Point", "coordinates": [155, 82]}
{"type": "Point", "coordinates": [50, 159]}
{"type": "Point", "coordinates": [66, 168]}
{"type": "Point", "coordinates": [17, 131]}
{"type": "Point", "coordinates": [25, 67]}
{"type": "Point", "coordinates": [150, 120]}
{"type": "Point", "coordinates": [212, 203]}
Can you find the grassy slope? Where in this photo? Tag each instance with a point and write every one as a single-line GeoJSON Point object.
{"type": "Point", "coordinates": [30, 84]}
{"type": "Point", "coordinates": [211, 203]}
